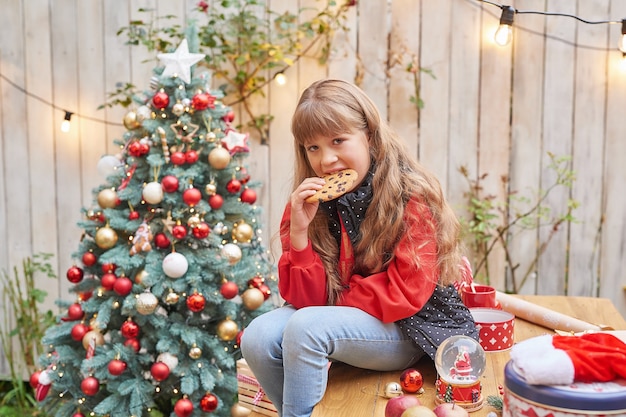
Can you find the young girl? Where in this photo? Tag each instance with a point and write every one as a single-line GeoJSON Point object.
{"type": "Point", "coordinates": [367, 277]}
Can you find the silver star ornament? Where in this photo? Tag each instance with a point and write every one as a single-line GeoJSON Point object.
{"type": "Point", "coordinates": [179, 62]}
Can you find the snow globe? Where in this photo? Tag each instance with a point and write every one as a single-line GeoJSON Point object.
{"type": "Point", "coordinates": [460, 362]}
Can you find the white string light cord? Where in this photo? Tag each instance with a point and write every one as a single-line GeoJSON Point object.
{"type": "Point", "coordinates": [502, 37]}
{"type": "Point", "coordinates": [504, 32]}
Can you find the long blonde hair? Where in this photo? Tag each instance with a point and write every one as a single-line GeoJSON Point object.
{"type": "Point", "coordinates": [333, 107]}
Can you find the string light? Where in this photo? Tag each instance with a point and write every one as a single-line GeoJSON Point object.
{"type": "Point", "coordinates": [65, 124]}
{"type": "Point", "coordinates": [504, 34]}
{"type": "Point", "coordinates": [280, 78]}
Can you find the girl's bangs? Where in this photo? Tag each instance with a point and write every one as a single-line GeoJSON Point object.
{"type": "Point", "coordinates": [318, 119]}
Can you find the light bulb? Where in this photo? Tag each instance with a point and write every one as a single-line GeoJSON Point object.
{"type": "Point", "coordinates": [504, 34]}
{"type": "Point", "coordinates": [65, 124]}
{"type": "Point", "coordinates": [280, 78]}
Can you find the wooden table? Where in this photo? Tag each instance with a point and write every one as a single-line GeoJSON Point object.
{"type": "Point", "coordinates": [355, 392]}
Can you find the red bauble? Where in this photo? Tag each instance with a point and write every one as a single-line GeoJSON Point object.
{"type": "Point", "coordinates": [117, 367]}
{"type": "Point", "coordinates": [78, 415]}
{"type": "Point", "coordinates": [108, 268]}
{"type": "Point", "coordinates": [229, 290]}
{"type": "Point", "coordinates": [177, 158]}
{"type": "Point", "coordinates": [161, 241]}
{"type": "Point", "coordinates": [136, 149]}
{"type": "Point", "coordinates": [192, 196]}
{"type": "Point", "coordinates": [108, 281]}
{"type": "Point", "coordinates": [133, 215]}
{"type": "Point", "coordinates": [248, 196]}
{"type": "Point", "coordinates": [89, 259]}
{"type": "Point", "coordinates": [201, 231]}
{"type": "Point", "coordinates": [133, 344]}
{"type": "Point", "coordinates": [34, 379]}
{"type": "Point", "coordinates": [123, 286]}
{"type": "Point", "coordinates": [85, 295]}
{"type": "Point", "coordinates": [266, 291]}
{"type": "Point", "coordinates": [229, 117]}
{"type": "Point", "coordinates": [161, 100]}
{"type": "Point", "coordinates": [179, 231]}
{"type": "Point", "coordinates": [256, 282]}
{"type": "Point", "coordinates": [159, 371]}
{"type": "Point", "coordinates": [216, 201]}
{"type": "Point", "coordinates": [202, 101]}
{"type": "Point", "coordinates": [130, 329]}
{"type": "Point", "coordinates": [208, 403]}
{"type": "Point", "coordinates": [75, 312]}
{"type": "Point", "coordinates": [79, 331]}
{"type": "Point", "coordinates": [238, 338]}
{"type": "Point", "coordinates": [411, 380]}
{"type": "Point", "coordinates": [191, 157]}
{"type": "Point", "coordinates": [196, 302]}
{"type": "Point", "coordinates": [74, 274]}
{"type": "Point", "coordinates": [233, 186]}
{"type": "Point", "coordinates": [169, 183]}
{"type": "Point", "coordinates": [183, 407]}
{"type": "Point", "coordinates": [90, 386]}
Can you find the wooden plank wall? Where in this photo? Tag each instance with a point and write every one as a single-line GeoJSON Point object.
{"type": "Point", "coordinates": [559, 87]}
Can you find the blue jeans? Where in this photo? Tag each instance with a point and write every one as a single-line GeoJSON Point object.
{"type": "Point", "coordinates": [288, 351]}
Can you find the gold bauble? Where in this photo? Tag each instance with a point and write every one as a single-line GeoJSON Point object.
{"type": "Point", "coordinates": [252, 298]}
{"type": "Point", "coordinates": [195, 352]}
{"type": "Point", "coordinates": [146, 303]}
{"type": "Point", "coordinates": [219, 158]}
{"type": "Point", "coordinates": [106, 237]}
{"type": "Point", "coordinates": [239, 411]}
{"type": "Point", "coordinates": [93, 335]}
{"type": "Point", "coordinates": [210, 189]}
{"type": "Point", "coordinates": [172, 298]}
{"type": "Point", "coordinates": [243, 232]}
{"type": "Point", "coordinates": [140, 276]}
{"type": "Point", "coordinates": [107, 198]}
{"type": "Point", "coordinates": [131, 121]}
{"type": "Point", "coordinates": [227, 330]}
{"type": "Point", "coordinates": [193, 221]}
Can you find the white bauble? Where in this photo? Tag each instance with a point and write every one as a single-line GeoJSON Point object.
{"type": "Point", "coordinates": [107, 165]}
{"type": "Point", "coordinates": [153, 192]}
{"type": "Point", "coordinates": [175, 265]}
{"type": "Point", "coordinates": [231, 252]}
{"type": "Point", "coordinates": [167, 358]}
{"type": "Point", "coordinates": [143, 113]}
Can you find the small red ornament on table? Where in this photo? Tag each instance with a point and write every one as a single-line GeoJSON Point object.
{"type": "Point", "coordinates": [411, 380]}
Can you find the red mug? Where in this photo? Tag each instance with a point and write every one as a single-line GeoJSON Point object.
{"type": "Point", "coordinates": [477, 295]}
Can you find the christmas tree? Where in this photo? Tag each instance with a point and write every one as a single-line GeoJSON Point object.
{"type": "Point", "coordinates": [170, 266]}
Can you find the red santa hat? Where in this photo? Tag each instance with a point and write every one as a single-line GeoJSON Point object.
{"type": "Point", "coordinates": [561, 360]}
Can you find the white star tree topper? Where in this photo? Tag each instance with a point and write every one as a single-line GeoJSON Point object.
{"type": "Point", "coordinates": [179, 62]}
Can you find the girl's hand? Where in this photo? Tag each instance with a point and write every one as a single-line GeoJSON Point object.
{"type": "Point", "coordinates": [302, 213]}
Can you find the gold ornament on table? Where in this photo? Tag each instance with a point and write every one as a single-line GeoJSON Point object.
{"type": "Point", "coordinates": [195, 352]}
{"type": "Point", "coordinates": [242, 232]}
{"type": "Point", "coordinates": [107, 198]}
{"type": "Point", "coordinates": [219, 157]}
{"type": "Point", "coordinates": [146, 303]}
{"type": "Point", "coordinates": [239, 411]}
{"type": "Point", "coordinates": [227, 329]}
{"type": "Point", "coordinates": [106, 237]}
{"type": "Point", "coordinates": [252, 298]}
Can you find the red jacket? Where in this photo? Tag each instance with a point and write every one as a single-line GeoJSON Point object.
{"type": "Point", "coordinates": [390, 295]}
